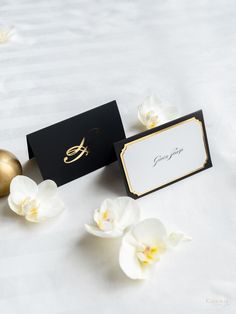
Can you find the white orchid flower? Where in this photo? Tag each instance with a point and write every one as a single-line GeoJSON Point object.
{"type": "Point", "coordinates": [174, 238]}
{"type": "Point", "coordinates": [5, 34]}
{"type": "Point", "coordinates": [35, 202]}
{"type": "Point", "coordinates": [153, 112]}
{"type": "Point", "coordinates": [114, 217]}
{"type": "Point", "coordinates": [143, 246]}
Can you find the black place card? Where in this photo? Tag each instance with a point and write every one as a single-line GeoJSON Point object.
{"type": "Point", "coordinates": [164, 155]}
{"type": "Point", "coordinates": [76, 146]}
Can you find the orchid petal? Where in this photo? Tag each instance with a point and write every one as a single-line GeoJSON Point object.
{"type": "Point", "coordinates": [128, 260]}
{"type": "Point", "coordinates": [14, 207]}
{"type": "Point", "coordinates": [175, 238]}
{"type": "Point", "coordinates": [128, 211]}
{"type": "Point", "coordinates": [150, 231]}
{"type": "Point", "coordinates": [102, 234]}
{"type": "Point", "coordinates": [22, 187]}
{"type": "Point", "coordinates": [46, 190]}
{"type": "Point", "coordinates": [47, 210]}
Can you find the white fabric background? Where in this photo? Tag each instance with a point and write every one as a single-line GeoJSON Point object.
{"type": "Point", "coordinates": [68, 56]}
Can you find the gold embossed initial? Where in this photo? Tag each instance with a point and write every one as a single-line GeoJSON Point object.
{"type": "Point", "coordinates": [78, 150]}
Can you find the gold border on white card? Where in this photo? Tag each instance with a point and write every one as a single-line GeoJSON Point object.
{"type": "Point", "coordinates": [124, 149]}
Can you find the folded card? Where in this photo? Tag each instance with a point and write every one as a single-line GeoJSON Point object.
{"type": "Point", "coordinates": [164, 155]}
{"type": "Point", "coordinates": [76, 146]}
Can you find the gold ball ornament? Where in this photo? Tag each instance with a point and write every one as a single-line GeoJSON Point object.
{"type": "Point", "coordinates": [9, 168]}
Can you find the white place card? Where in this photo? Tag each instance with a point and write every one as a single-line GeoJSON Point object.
{"type": "Point", "coordinates": [164, 155]}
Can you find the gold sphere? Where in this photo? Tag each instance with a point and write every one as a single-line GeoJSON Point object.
{"type": "Point", "coordinates": [9, 168]}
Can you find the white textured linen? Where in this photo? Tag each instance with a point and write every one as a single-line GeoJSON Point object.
{"type": "Point", "coordinates": [68, 56]}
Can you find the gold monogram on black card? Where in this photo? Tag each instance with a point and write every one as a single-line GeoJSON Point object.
{"type": "Point", "coordinates": [85, 147]}
{"type": "Point", "coordinates": [74, 153]}
{"type": "Point", "coordinates": [74, 147]}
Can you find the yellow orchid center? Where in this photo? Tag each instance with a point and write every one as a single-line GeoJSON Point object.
{"type": "Point", "coordinates": [152, 119]}
{"type": "Point", "coordinates": [29, 207]}
{"type": "Point", "coordinates": [33, 213]}
{"type": "Point", "coordinates": [148, 255]}
{"type": "Point", "coordinates": [4, 36]}
{"type": "Point", "coordinates": [105, 221]}
{"type": "Point", "coordinates": [105, 215]}
{"type": "Point", "coordinates": [153, 124]}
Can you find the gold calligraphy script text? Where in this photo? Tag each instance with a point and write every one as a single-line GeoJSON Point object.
{"type": "Point", "coordinates": [78, 150]}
